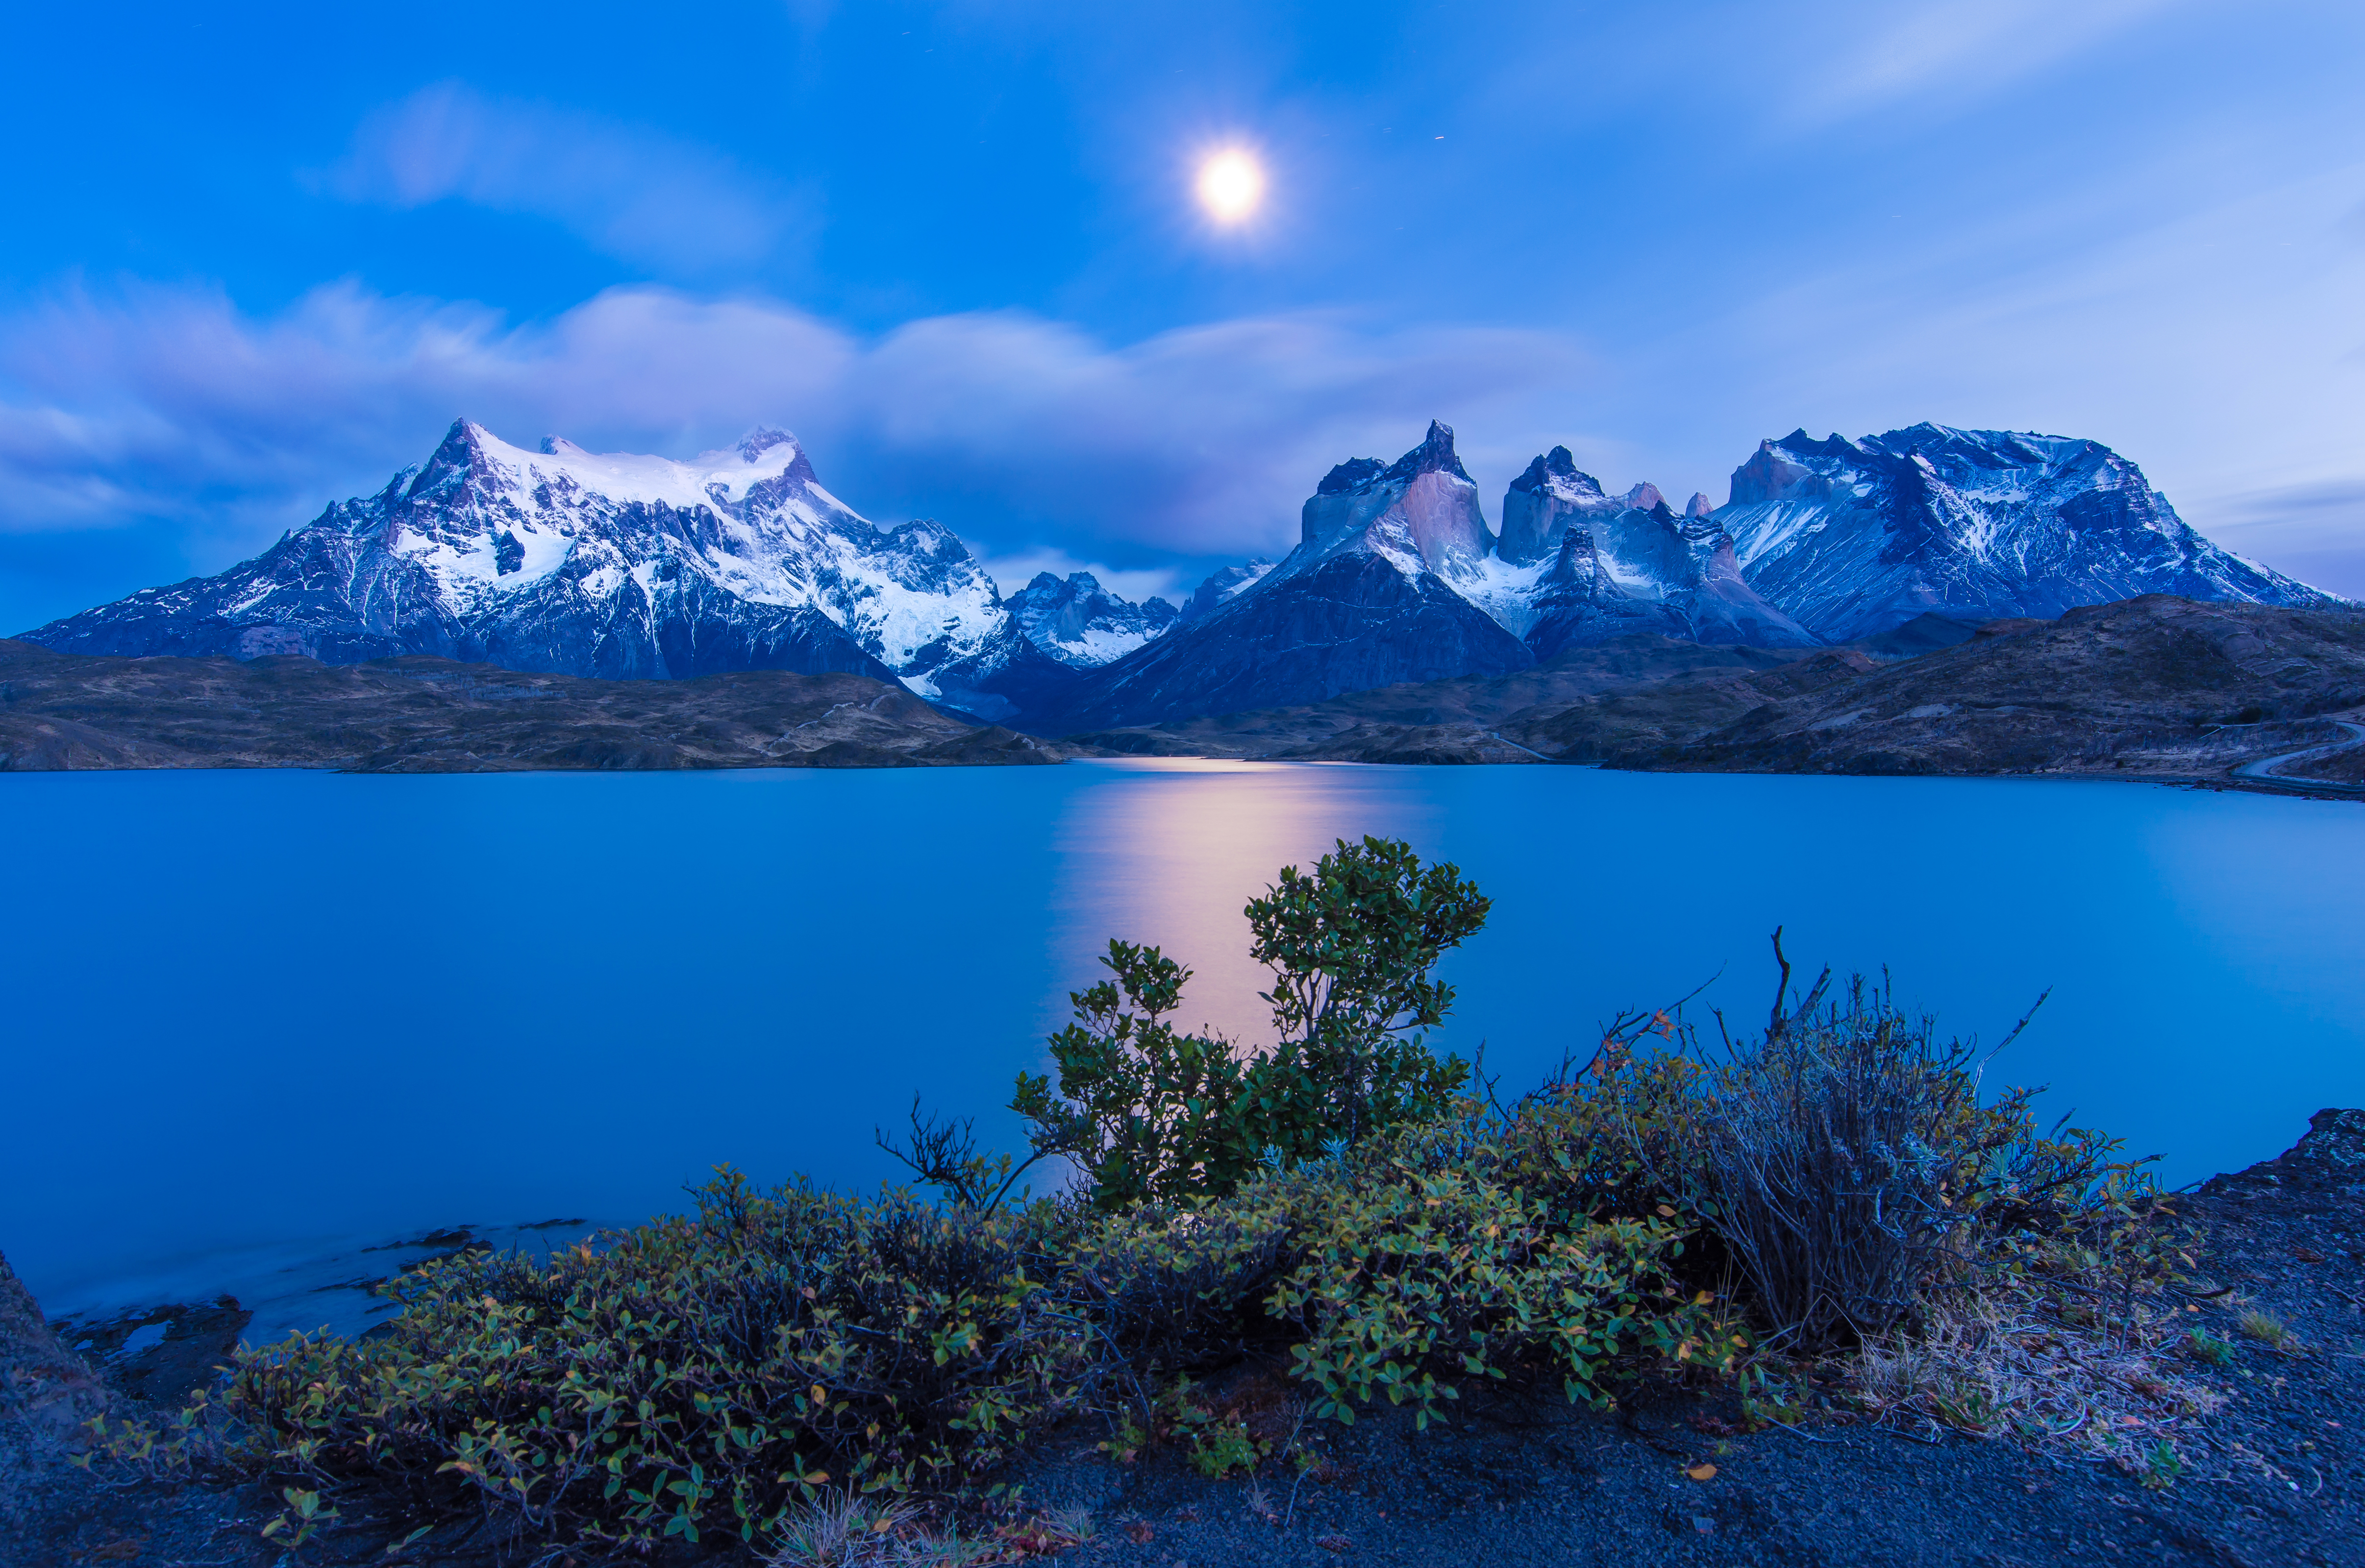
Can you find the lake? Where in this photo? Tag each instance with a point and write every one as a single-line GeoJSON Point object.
{"type": "Point", "coordinates": [257, 1016]}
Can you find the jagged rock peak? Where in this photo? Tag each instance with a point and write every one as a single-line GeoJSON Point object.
{"type": "Point", "coordinates": [1559, 463]}
{"type": "Point", "coordinates": [1541, 502]}
{"type": "Point", "coordinates": [1435, 454]}
{"type": "Point", "coordinates": [1645, 497]}
{"type": "Point", "coordinates": [1362, 476]}
{"type": "Point", "coordinates": [1349, 475]}
{"type": "Point", "coordinates": [1699, 505]}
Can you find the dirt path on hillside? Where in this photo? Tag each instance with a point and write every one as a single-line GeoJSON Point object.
{"type": "Point", "coordinates": [2268, 767]}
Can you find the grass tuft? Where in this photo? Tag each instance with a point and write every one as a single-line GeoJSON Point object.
{"type": "Point", "coordinates": [2266, 1329]}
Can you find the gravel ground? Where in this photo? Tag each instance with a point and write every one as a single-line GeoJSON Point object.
{"type": "Point", "coordinates": [2271, 1479]}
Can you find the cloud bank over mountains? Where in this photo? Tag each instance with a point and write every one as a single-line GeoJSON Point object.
{"type": "Point", "coordinates": [167, 403]}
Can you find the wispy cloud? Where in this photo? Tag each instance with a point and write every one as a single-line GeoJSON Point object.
{"type": "Point", "coordinates": [1950, 53]}
{"type": "Point", "coordinates": [636, 194]}
{"type": "Point", "coordinates": [1027, 435]}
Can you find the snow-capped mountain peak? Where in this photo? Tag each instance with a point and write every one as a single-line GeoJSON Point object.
{"type": "Point", "coordinates": [1582, 567]}
{"type": "Point", "coordinates": [622, 564]}
{"type": "Point", "coordinates": [613, 564]}
{"type": "Point", "coordinates": [1854, 537]}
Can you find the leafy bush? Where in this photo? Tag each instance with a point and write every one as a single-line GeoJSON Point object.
{"type": "Point", "coordinates": [719, 1373]}
{"type": "Point", "coordinates": [1425, 1261]}
{"type": "Point", "coordinates": [702, 1372]}
{"type": "Point", "coordinates": [1148, 1112]}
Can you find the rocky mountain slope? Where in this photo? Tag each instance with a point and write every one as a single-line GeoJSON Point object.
{"type": "Point", "coordinates": [2154, 687]}
{"type": "Point", "coordinates": [423, 714]}
{"type": "Point", "coordinates": [1464, 719]}
{"type": "Point", "coordinates": [2151, 686]}
{"type": "Point", "coordinates": [1224, 584]}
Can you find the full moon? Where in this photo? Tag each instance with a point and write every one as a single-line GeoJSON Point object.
{"type": "Point", "coordinates": [1230, 186]}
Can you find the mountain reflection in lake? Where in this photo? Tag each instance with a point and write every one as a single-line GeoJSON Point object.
{"type": "Point", "coordinates": [294, 1010]}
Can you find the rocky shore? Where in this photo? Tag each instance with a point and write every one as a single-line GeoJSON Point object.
{"type": "Point", "coordinates": [1672, 1477]}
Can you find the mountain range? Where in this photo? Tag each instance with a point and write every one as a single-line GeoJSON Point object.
{"type": "Point", "coordinates": [619, 566]}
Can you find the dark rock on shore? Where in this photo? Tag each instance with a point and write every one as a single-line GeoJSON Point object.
{"type": "Point", "coordinates": [163, 1355]}
{"type": "Point", "coordinates": [2328, 1162]}
{"type": "Point", "coordinates": [42, 1383]}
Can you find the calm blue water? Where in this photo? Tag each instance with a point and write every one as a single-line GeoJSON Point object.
{"type": "Point", "coordinates": [259, 1010]}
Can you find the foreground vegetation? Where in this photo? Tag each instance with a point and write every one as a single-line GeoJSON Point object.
{"type": "Point", "coordinates": [1345, 1203]}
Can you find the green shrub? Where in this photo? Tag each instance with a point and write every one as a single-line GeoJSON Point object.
{"type": "Point", "coordinates": [703, 1373]}
{"type": "Point", "coordinates": [716, 1373]}
{"type": "Point", "coordinates": [1423, 1265]}
{"type": "Point", "coordinates": [1148, 1112]}
{"type": "Point", "coordinates": [761, 1367]}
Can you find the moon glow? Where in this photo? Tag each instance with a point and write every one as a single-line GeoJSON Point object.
{"type": "Point", "coordinates": [1232, 185]}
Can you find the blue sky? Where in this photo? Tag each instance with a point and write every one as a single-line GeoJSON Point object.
{"type": "Point", "coordinates": [256, 262]}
